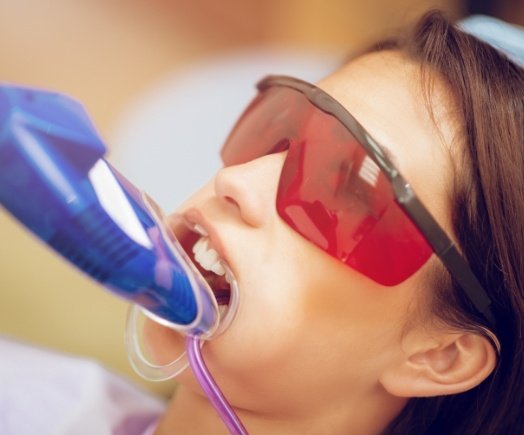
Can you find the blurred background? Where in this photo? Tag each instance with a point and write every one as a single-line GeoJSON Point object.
{"type": "Point", "coordinates": [139, 66]}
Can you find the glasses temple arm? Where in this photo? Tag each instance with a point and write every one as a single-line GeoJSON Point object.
{"type": "Point", "coordinates": [443, 248]}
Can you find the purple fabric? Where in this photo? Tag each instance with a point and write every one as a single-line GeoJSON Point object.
{"type": "Point", "coordinates": [44, 392]}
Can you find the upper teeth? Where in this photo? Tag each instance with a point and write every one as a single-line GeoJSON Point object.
{"type": "Point", "coordinates": [207, 257]}
{"type": "Point", "coordinates": [200, 230]}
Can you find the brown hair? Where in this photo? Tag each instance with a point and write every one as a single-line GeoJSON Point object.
{"type": "Point", "coordinates": [488, 219]}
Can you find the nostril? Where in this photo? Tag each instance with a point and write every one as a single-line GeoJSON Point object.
{"type": "Point", "coordinates": [230, 200]}
{"type": "Point", "coordinates": [235, 205]}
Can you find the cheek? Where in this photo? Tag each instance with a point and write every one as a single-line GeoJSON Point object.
{"type": "Point", "coordinates": [349, 318]}
{"type": "Point", "coordinates": [286, 308]}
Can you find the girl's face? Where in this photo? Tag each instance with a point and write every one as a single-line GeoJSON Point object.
{"type": "Point", "coordinates": [310, 330]}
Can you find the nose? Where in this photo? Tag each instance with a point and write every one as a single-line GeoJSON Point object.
{"type": "Point", "coordinates": [251, 188]}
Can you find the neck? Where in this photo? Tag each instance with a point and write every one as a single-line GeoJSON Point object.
{"type": "Point", "coordinates": [191, 413]}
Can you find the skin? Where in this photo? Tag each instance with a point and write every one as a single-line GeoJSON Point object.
{"type": "Point", "coordinates": [316, 347]}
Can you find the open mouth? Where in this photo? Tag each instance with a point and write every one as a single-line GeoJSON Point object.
{"type": "Point", "coordinates": [199, 248]}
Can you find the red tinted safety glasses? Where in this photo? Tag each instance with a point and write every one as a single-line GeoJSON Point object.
{"type": "Point", "coordinates": [339, 190]}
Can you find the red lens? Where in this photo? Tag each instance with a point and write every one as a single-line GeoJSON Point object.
{"type": "Point", "coordinates": [330, 190]}
{"type": "Point", "coordinates": [271, 119]}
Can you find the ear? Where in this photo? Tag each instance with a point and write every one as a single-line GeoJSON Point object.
{"type": "Point", "coordinates": [448, 363]}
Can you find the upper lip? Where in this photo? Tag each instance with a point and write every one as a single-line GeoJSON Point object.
{"type": "Point", "coordinates": [194, 217]}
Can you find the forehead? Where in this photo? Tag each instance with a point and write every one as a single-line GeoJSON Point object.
{"type": "Point", "coordinates": [384, 92]}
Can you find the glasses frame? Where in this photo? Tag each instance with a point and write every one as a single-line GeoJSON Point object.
{"type": "Point", "coordinates": [441, 244]}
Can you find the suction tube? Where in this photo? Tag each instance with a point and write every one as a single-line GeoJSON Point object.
{"type": "Point", "coordinates": [54, 179]}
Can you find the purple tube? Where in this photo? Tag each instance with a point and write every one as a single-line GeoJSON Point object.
{"type": "Point", "coordinates": [208, 384]}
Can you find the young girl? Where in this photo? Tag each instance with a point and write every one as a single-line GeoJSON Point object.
{"type": "Point", "coordinates": [352, 318]}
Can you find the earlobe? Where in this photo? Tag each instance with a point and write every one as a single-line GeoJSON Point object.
{"type": "Point", "coordinates": [449, 364]}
